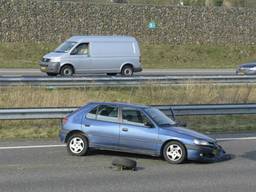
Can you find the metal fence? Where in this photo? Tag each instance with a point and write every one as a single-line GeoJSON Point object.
{"type": "Point", "coordinates": [125, 81]}
{"type": "Point", "coordinates": [169, 110]}
{"type": "Point", "coordinates": [234, 3]}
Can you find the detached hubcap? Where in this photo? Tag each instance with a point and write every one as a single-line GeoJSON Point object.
{"type": "Point", "coordinates": [174, 152]}
{"type": "Point", "coordinates": [76, 145]}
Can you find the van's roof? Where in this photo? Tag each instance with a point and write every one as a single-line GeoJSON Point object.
{"type": "Point", "coordinates": [101, 38]}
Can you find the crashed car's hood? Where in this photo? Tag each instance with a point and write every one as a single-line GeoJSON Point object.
{"type": "Point", "coordinates": [189, 132]}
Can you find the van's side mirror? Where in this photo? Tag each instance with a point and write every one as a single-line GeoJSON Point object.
{"type": "Point", "coordinates": [74, 51]}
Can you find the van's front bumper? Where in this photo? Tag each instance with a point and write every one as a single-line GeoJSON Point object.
{"type": "Point", "coordinates": [49, 67]}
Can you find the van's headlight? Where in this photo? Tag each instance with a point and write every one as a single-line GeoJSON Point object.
{"type": "Point", "coordinates": [200, 142]}
{"type": "Point", "coordinates": [46, 60]}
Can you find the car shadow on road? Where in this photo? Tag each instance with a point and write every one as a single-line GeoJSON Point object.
{"type": "Point", "coordinates": [224, 158]}
{"type": "Point", "coordinates": [249, 155]}
{"type": "Point", "coordinates": [113, 154]}
{"type": "Point", "coordinates": [122, 154]}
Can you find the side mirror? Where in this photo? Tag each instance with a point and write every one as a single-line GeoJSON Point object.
{"type": "Point", "coordinates": [74, 52]}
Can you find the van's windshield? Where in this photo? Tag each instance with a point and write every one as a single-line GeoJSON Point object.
{"type": "Point", "coordinates": [65, 47]}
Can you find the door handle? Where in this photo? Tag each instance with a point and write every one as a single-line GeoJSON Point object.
{"type": "Point", "coordinates": [87, 125]}
{"type": "Point", "coordinates": [124, 129]}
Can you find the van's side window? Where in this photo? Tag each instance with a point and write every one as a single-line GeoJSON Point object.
{"type": "Point", "coordinates": [81, 49]}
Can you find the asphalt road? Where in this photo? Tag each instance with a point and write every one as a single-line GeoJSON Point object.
{"type": "Point", "coordinates": [146, 72]}
{"type": "Point", "coordinates": [53, 170]}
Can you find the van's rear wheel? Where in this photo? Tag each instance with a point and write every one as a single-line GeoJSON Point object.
{"type": "Point", "coordinates": [67, 70]}
{"type": "Point", "coordinates": [127, 71]}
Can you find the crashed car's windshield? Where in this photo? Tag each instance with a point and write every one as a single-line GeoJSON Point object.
{"type": "Point", "coordinates": [159, 117]}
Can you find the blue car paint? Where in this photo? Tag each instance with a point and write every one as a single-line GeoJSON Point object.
{"type": "Point", "coordinates": [138, 139]}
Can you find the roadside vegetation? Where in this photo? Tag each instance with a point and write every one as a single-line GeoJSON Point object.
{"type": "Point", "coordinates": [11, 97]}
{"type": "Point", "coordinates": [24, 97]}
{"type": "Point", "coordinates": [27, 55]}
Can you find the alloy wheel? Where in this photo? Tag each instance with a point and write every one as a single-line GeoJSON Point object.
{"type": "Point", "coordinates": [76, 145]}
{"type": "Point", "coordinates": [174, 152]}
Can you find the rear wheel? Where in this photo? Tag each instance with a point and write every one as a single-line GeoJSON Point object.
{"type": "Point", "coordinates": [174, 152]}
{"type": "Point", "coordinates": [127, 71]}
{"type": "Point", "coordinates": [77, 145]}
{"type": "Point", "coordinates": [67, 70]}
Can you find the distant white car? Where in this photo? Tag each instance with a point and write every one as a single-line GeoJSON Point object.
{"type": "Point", "coordinates": [247, 69]}
{"type": "Point", "coordinates": [94, 54]}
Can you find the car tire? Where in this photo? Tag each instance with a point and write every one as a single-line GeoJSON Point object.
{"type": "Point", "coordinates": [124, 163]}
{"type": "Point", "coordinates": [77, 145]}
{"type": "Point", "coordinates": [111, 74]}
{"type": "Point", "coordinates": [52, 74]}
{"type": "Point", "coordinates": [127, 71]}
{"type": "Point", "coordinates": [67, 71]}
{"type": "Point", "coordinates": [174, 152]}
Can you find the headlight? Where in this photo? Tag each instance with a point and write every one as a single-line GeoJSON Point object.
{"type": "Point", "coordinates": [46, 60]}
{"type": "Point", "coordinates": [200, 142]}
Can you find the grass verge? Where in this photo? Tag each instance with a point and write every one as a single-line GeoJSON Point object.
{"type": "Point", "coordinates": [27, 55]}
{"type": "Point", "coordinates": [151, 94]}
{"type": "Point", "coordinates": [22, 97]}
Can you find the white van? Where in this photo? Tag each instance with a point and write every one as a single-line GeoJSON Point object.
{"type": "Point", "coordinates": [94, 54]}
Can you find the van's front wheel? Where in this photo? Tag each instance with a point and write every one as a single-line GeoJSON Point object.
{"type": "Point", "coordinates": [127, 71]}
{"type": "Point", "coordinates": [67, 70]}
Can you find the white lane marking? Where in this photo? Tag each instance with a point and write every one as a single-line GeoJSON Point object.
{"type": "Point", "coordinates": [236, 138]}
{"type": "Point", "coordinates": [53, 146]}
{"type": "Point", "coordinates": [32, 147]}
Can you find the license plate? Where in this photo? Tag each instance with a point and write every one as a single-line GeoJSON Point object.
{"type": "Point", "coordinates": [43, 68]}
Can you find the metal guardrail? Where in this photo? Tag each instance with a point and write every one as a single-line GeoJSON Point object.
{"type": "Point", "coordinates": [123, 81]}
{"type": "Point", "coordinates": [178, 110]}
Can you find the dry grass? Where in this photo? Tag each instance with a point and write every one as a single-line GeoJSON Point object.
{"type": "Point", "coordinates": [29, 129]}
{"type": "Point", "coordinates": [43, 97]}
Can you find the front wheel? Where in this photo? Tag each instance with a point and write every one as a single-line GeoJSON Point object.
{"type": "Point", "coordinates": [174, 152]}
{"type": "Point", "coordinates": [66, 70]}
{"type": "Point", "coordinates": [77, 145]}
